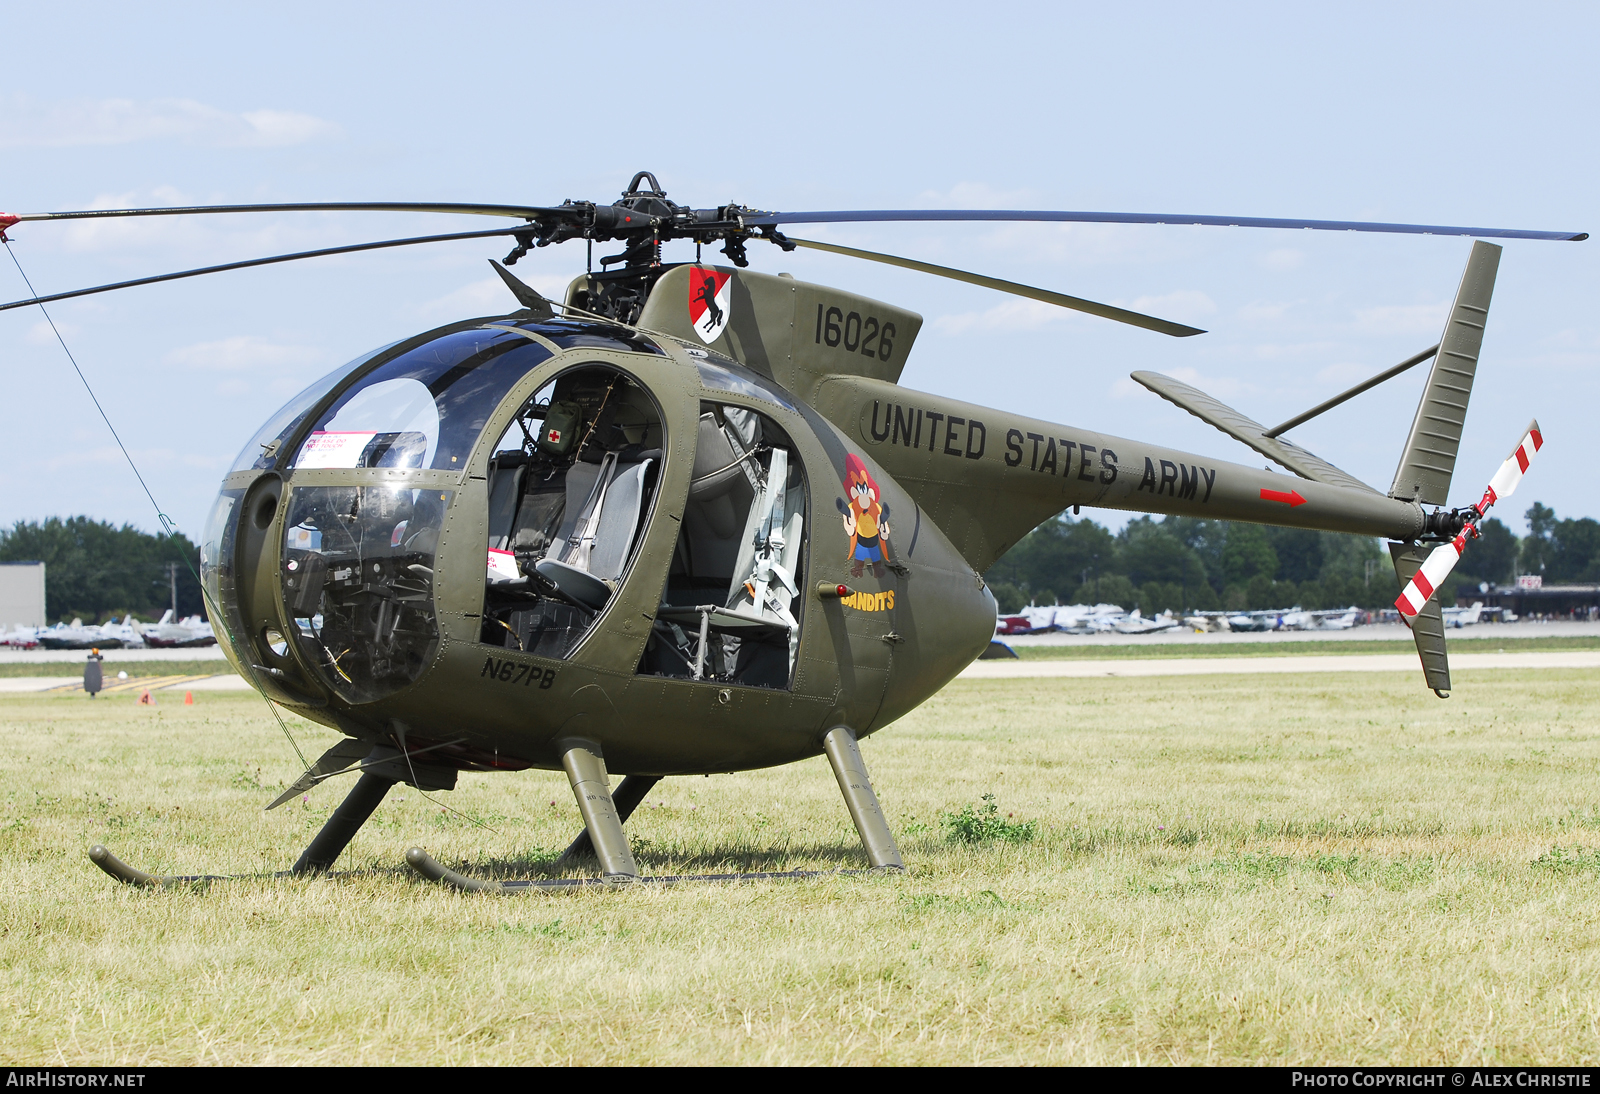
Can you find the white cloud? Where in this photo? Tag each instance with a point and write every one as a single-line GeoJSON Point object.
{"type": "Point", "coordinates": [1221, 387]}
{"type": "Point", "coordinates": [1282, 259]}
{"type": "Point", "coordinates": [976, 195]}
{"type": "Point", "coordinates": [1185, 304]}
{"type": "Point", "coordinates": [245, 351]}
{"type": "Point", "coordinates": [1077, 244]}
{"type": "Point", "coordinates": [491, 297]}
{"type": "Point", "coordinates": [1024, 314]}
{"type": "Point", "coordinates": [245, 235]}
{"type": "Point", "coordinates": [1345, 373]}
{"type": "Point", "coordinates": [1403, 318]}
{"type": "Point", "coordinates": [105, 456]}
{"type": "Point", "coordinates": [1288, 351]}
{"type": "Point", "coordinates": [1017, 313]}
{"type": "Point", "coordinates": [40, 333]}
{"type": "Point", "coordinates": [71, 123]}
{"type": "Point", "coordinates": [1261, 313]}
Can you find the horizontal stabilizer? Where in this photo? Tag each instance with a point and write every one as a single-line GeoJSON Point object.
{"type": "Point", "coordinates": [342, 755]}
{"type": "Point", "coordinates": [1252, 433]}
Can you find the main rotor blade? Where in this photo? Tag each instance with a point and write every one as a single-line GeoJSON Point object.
{"type": "Point", "coordinates": [1104, 311]}
{"type": "Point", "coordinates": [861, 216]}
{"type": "Point", "coordinates": [257, 262]}
{"type": "Point", "coordinates": [523, 211]}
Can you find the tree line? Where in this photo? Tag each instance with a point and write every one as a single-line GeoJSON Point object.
{"type": "Point", "coordinates": [1187, 564]}
{"type": "Point", "coordinates": [98, 571]}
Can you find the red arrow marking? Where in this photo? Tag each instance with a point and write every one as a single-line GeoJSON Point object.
{"type": "Point", "coordinates": [1291, 499]}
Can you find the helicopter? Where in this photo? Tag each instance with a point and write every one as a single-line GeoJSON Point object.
{"type": "Point", "coordinates": [687, 521]}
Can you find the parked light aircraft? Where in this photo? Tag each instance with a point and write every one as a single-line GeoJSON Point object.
{"type": "Point", "coordinates": [76, 636]}
{"type": "Point", "coordinates": [1280, 619]}
{"type": "Point", "coordinates": [1135, 623]}
{"type": "Point", "coordinates": [186, 634]}
{"type": "Point", "coordinates": [20, 638]}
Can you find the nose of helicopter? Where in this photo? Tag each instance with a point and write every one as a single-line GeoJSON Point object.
{"type": "Point", "coordinates": [320, 552]}
{"type": "Point", "coordinates": [326, 588]}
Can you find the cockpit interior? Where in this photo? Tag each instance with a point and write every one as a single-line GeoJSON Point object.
{"type": "Point", "coordinates": [571, 486]}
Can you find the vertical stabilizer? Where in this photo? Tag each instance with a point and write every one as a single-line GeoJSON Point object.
{"type": "Point", "coordinates": [1429, 459]}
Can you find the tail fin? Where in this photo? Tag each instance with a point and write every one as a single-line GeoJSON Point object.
{"type": "Point", "coordinates": [1429, 458]}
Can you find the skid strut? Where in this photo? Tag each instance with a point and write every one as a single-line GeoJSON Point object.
{"type": "Point", "coordinates": [628, 795]}
{"type": "Point", "coordinates": [586, 771]}
{"type": "Point", "coordinates": [844, 754]}
{"type": "Point", "coordinates": [340, 829]}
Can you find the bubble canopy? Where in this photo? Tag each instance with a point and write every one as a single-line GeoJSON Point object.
{"type": "Point", "coordinates": [424, 408]}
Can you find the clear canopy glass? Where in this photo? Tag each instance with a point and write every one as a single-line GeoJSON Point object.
{"type": "Point", "coordinates": [426, 407]}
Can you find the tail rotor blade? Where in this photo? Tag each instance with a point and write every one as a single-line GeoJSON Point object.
{"type": "Point", "coordinates": [1510, 474]}
{"type": "Point", "coordinates": [1437, 566]}
{"type": "Point", "coordinates": [1433, 571]}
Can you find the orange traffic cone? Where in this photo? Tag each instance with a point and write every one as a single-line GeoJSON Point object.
{"type": "Point", "coordinates": [188, 698]}
{"type": "Point", "coordinates": [145, 699]}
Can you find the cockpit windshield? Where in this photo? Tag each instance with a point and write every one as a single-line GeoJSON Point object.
{"type": "Point", "coordinates": [260, 451]}
{"type": "Point", "coordinates": [426, 407]}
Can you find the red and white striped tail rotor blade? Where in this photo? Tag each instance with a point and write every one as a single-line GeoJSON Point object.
{"type": "Point", "coordinates": [1434, 570]}
{"type": "Point", "coordinates": [1510, 474]}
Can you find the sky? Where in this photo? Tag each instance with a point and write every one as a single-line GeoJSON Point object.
{"type": "Point", "coordinates": [1469, 114]}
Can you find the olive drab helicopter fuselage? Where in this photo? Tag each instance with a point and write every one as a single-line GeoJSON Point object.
{"type": "Point", "coordinates": [693, 524]}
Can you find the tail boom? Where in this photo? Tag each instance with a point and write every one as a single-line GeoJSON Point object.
{"type": "Point", "coordinates": [987, 477]}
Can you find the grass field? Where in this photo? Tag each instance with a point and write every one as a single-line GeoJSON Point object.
{"type": "Point", "coordinates": [13, 669]}
{"type": "Point", "coordinates": [1063, 651]}
{"type": "Point", "coordinates": [1321, 647]}
{"type": "Point", "coordinates": [1225, 869]}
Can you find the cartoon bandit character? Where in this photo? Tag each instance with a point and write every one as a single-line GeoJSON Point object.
{"type": "Point", "coordinates": [866, 519]}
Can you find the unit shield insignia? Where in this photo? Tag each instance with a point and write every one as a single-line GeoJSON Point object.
{"type": "Point", "coordinates": [710, 302]}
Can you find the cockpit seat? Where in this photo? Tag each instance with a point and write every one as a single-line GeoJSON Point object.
{"type": "Point", "coordinates": [605, 502]}
{"type": "Point", "coordinates": [578, 586]}
{"type": "Point", "coordinates": [505, 492]}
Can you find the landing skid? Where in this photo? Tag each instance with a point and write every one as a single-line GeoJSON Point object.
{"type": "Point", "coordinates": [602, 836]}
{"type": "Point", "coordinates": [430, 868]}
{"type": "Point", "coordinates": [112, 865]}
{"type": "Point", "coordinates": [434, 870]}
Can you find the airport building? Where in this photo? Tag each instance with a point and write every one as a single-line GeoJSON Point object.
{"type": "Point", "coordinates": [21, 595]}
{"type": "Point", "coordinates": [1530, 598]}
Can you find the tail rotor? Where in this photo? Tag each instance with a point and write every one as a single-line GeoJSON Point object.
{"type": "Point", "coordinates": [1414, 597]}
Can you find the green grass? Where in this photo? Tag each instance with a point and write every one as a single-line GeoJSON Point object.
{"type": "Point", "coordinates": [1226, 869]}
{"type": "Point", "coordinates": [12, 669]}
{"type": "Point", "coordinates": [1131, 651]}
{"type": "Point", "coordinates": [1066, 651]}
